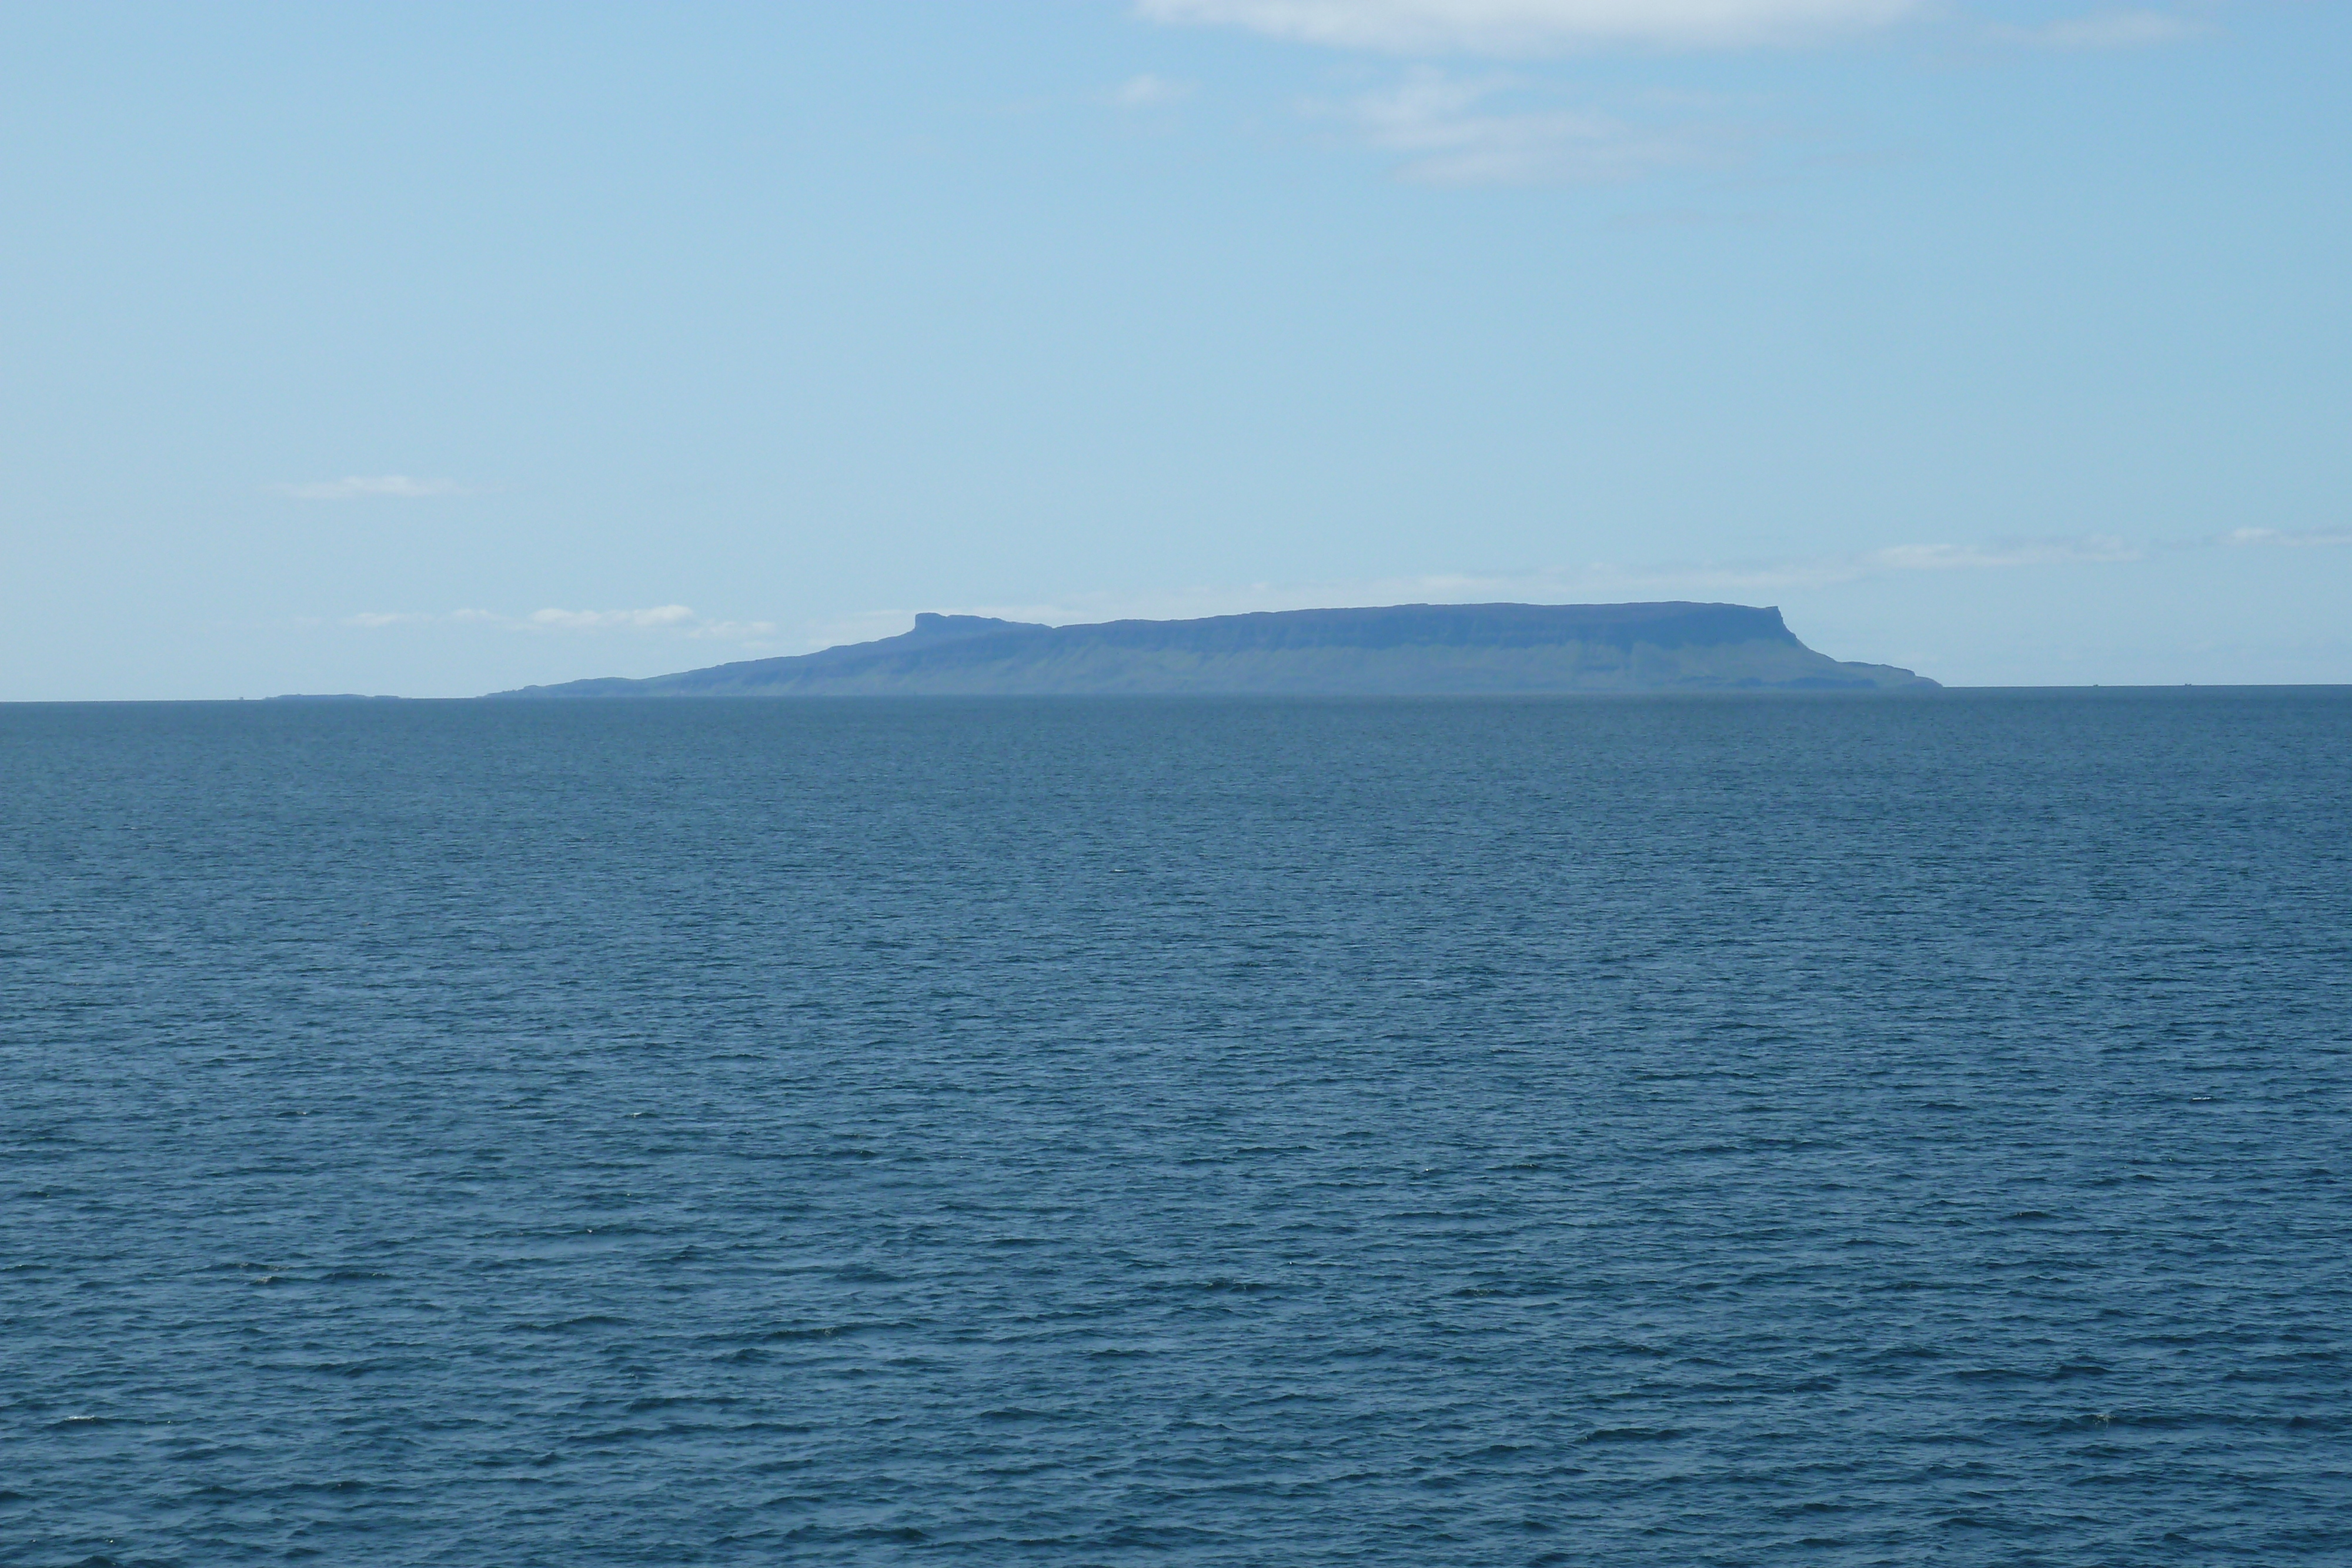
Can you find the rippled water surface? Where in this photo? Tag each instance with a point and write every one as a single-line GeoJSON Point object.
{"type": "Point", "coordinates": [1598, 1132]}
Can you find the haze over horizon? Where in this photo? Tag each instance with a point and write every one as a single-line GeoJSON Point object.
{"type": "Point", "coordinates": [440, 351]}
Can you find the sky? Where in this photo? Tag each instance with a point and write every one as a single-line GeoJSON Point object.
{"type": "Point", "coordinates": [434, 349]}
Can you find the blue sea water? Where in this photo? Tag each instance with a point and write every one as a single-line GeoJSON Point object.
{"type": "Point", "coordinates": [1693, 1131]}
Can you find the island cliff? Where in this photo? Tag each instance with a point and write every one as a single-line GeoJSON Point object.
{"type": "Point", "coordinates": [1399, 651]}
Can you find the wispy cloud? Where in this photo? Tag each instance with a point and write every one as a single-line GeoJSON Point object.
{"type": "Point", "coordinates": [2102, 30]}
{"type": "Point", "coordinates": [659, 616]}
{"type": "Point", "coordinates": [357, 487]}
{"type": "Point", "coordinates": [2087, 548]}
{"type": "Point", "coordinates": [1764, 574]}
{"type": "Point", "coordinates": [389, 618]}
{"type": "Point", "coordinates": [675, 619]}
{"type": "Point", "coordinates": [1148, 91]}
{"type": "Point", "coordinates": [2289, 539]}
{"type": "Point", "coordinates": [1461, 129]}
{"type": "Point", "coordinates": [1426, 27]}
{"type": "Point", "coordinates": [1453, 131]}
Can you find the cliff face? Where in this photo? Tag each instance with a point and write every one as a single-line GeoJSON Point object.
{"type": "Point", "coordinates": [1402, 650]}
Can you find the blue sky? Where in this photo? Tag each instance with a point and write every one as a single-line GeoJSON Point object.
{"type": "Point", "coordinates": [437, 348]}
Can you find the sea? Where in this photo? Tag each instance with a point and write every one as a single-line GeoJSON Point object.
{"type": "Point", "coordinates": [1646, 1131]}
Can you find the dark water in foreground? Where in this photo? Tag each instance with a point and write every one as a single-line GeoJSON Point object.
{"type": "Point", "coordinates": [1604, 1132]}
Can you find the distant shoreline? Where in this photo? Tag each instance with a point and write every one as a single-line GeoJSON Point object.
{"type": "Point", "coordinates": [338, 702]}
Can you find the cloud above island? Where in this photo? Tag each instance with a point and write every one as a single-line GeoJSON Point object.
{"type": "Point", "coordinates": [1148, 91]}
{"type": "Point", "coordinates": [1423, 27]}
{"type": "Point", "coordinates": [2289, 539]}
{"type": "Point", "coordinates": [1486, 131]}
{"type": "Point", "coordinates": [399, 486]}
{"type": "Point", "coordinates": [1427, 29]}
{"type": "Point", "coordinates": [1538, 127]}
{"type": "Point", "coordinates": [2102, 30]}
{"type": "Point", "coordinates": [674, 620]}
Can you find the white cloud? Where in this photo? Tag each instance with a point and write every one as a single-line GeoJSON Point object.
{"type": "Point", "coordinates": [1531, 27]}
{"type": "Point", "coordinates": [1456, 130]}
{"type": "Point", "coordinates": [2292, 540]}
{"type": "Point", "coordinates": [356, 487]}
{"type": "Point", "coordinates": [600, 619]}
{"type": "Point", "coordinates": [1148, 91]}
{"type": "Point", "coordinates": [1452, 137]}
{"type": "Point", "coordinates": [2032, 552]}
{"type": "Point", "coordinates": [2104, 30]}
{"type": "Point", "coordinates": [1855, 566]}
{"type": "Point", "coordinates": [676, 620]}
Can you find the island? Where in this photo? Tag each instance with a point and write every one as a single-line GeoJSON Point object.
{"type": "Point", "coordinates": [1402, 650]}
